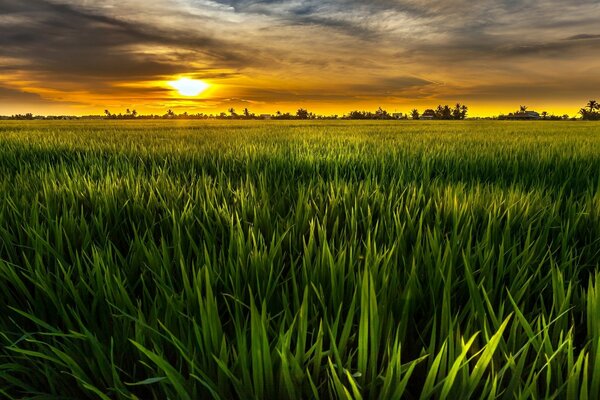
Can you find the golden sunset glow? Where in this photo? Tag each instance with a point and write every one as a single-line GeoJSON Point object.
{"type": "Point", "coordinates": [330, 56]}
{"type": "Point", "coordinates": [189, 87]}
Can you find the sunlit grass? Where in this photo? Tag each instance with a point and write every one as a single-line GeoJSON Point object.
{"type": "Point", "coordinates": [187, 260]}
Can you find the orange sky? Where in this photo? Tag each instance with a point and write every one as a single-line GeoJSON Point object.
{"type": "Point", "coordinates": [330, 56]}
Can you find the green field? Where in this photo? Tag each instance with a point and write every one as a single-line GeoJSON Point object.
{"type": "Point", "coordinates": [276, 260]}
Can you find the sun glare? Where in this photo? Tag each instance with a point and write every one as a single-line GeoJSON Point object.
{"type": "Point", "coordinates": [189, 87]}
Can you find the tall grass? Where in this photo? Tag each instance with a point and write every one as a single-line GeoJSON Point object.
{"type": "Point", "coordinates": [297, 260]}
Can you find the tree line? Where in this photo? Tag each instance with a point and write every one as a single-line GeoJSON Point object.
{"type": "Point", "coordinates": [590, 112]}
{"type": "Point", "coordinates": [443, 112]}
{"type": "Point", "coordinates": [300, 114]}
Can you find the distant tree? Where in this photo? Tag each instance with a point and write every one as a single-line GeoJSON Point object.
{"type": "Point", "coordinates": [382, 114]}
{"type": "Point", "coordinates": [443, 112]}
{"type": "Point", "coordinates": [544, 114]}
{"type": "Point", "coordinates": [439, 111]}
{"type": "Point", "coordinates": [246, 113]}
{"type": "Point", "coordinates": [456, 113]}
{"type": "Point", "coordinates": [522, 108]}
{"type": "Point", "coordinates": [589, 115]}
{"type": "Point", "coordinates": [283, 116]}
{"type": "Point", "coordinates": [356, 115]}
{"type": "Point", "coordinates": [108, 114]}
{"type": "Point", "coordinates": [26, 116]}
{"type": "Point", "coordinates": [232, 112]}
{"type": "Point", "coordinates": [459, 111]}
{"type": "Point", "coordinates": [302, 113]}
{"type": "Point", "coordinates": [590, 111]}
{"type": "Point", "coordinates": [463, 111]}
{"type": "Point", "coordinates": [134, 113]}
{"type": "Point", "coordinates": [447, 112]}
{"type": "Point", "coordinates": [414, 114]}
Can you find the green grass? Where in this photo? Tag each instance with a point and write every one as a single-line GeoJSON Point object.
{"type": "Point", "coordinates": [186, 260]}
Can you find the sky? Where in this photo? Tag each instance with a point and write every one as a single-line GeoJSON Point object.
{"type": "Point", "coordinates": [330, 56]}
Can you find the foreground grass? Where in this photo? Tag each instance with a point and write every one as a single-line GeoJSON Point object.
{"type": "Point", "coordinates": [296, 260]}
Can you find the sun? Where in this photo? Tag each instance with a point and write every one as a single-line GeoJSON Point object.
{"type": "Point", "coordinates": [189, 87]}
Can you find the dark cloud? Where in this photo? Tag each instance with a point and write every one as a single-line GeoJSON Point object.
{"type": "Point", "coordinates": [65, 41]}
{"type": "Point", "coordinates": [10, 97]}
{"type": "Point", "coordinates": [17, 96]}
{"type": "Point", "coordinates": [583, 36]}
{"type": "Point", "coordinates": [389, 86]}
{"type": "Point", "coordinates": [551, 49]}
{"type": "Point", "coordinates": [372, 88]}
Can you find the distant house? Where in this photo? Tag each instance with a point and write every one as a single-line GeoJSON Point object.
{"type": "Point", "coordinates": [265, 116]}
{"type": "Point", "coordinates": [523, 115]}
{"type": "Point", "coordinates": [428, 114]}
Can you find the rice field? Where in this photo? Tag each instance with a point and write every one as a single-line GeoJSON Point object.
{"type": "Point", "coordinates": [299, 260]}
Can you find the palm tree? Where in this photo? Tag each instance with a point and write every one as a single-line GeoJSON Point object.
{"type": "Point", "coordinates": [134, 113]}
{"type": "Point", "coordinates": [544, 114]}
{"type": "Point", "coordinates": [414, 114]}
{"type": "Point", "coordinates": [522, 108]}
{"type": "Point", "coordinates": [232, 112]}
{"type": "Point", "coordinates": [593, 105]}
